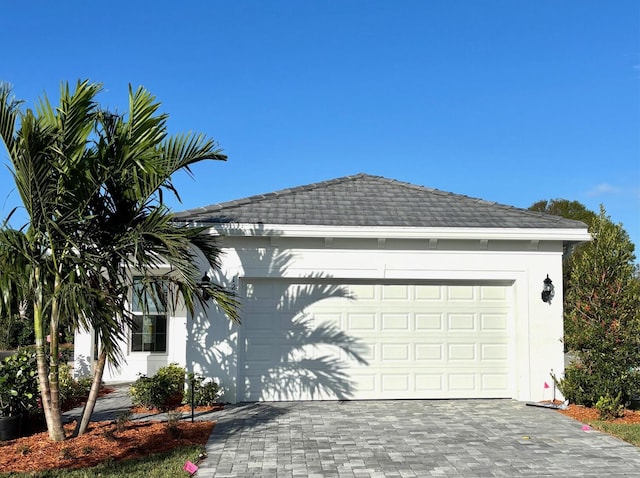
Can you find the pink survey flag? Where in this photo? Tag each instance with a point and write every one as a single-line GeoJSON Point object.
{"type": "Point", "coordinates": [190, 467]}
{"type": "Point", "coordinates": [546, 385]}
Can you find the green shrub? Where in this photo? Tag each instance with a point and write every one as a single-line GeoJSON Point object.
{"type": "Point", "coordinates": [72, 391]}
{"type": "Point", "coordinates": [585, 386]}
{"type": "Point", "coordinates": [602, 318]}
{"type": "Point", "coordinates": [610, 407]}
{"type": "Point", "coordinates": [206, 393]}
{"type": "Point", "coordinates": [18, 384]}
{"type": "Point", "coordinates": [164, 391]}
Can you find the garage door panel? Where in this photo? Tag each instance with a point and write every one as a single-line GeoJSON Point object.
{"type": "Point", "coordinates": [462, 382]}
{"type": "Point", "coordinates": [395, 292]}
{"type": "Point", "coordinates": [362, 292]}
{"type": "Point", "coordinates": [461, 293]}
{"type": "Point", "coordinates": [493, 322]}
{"type": "Point", "coordinates": [398, 352]}
{"type": "Point", "coordinates": [461, 322]}
{"type": "Point", "coordinates": [461, 352]}
{"type": "Point", "coordinates": [361, 322]}
{"type": "Point", "coordinates": [493, 294]}
{"type": "Point", "coordinates": [494, 382]}
{"type": "Point", "coordinates": [429, 384]}
{"type": "Point", "coordinates": [429, 322]}
{"type": "Point", "coordinates": [418, 341]}
{"type": "Point", "coordinates": [497, 352]}
{"type": "Point", "coordinates": [428, 293]}
{"type": "Point", "coordinates": [396, 382]}
{"type": "Point", "coordinates": [395, 322]}
{"type": "Point", "coordinates": [429, 352]}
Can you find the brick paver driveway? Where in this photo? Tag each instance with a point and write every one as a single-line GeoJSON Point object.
{"type": "Point", "coordinates": [403, 438]}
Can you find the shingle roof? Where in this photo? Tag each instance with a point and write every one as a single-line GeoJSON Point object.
{"type": "Point", "coordinates": [365, 200]}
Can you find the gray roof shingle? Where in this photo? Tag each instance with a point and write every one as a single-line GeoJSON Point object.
{"type": "Point", "coordinates": [365, 200]}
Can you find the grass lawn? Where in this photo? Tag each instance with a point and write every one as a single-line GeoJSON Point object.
{"type": "Point", "coordinates": [629, 432]}
{"type": "Point", "coordinates": [161, 465]}
{"type": "Point", "coordinates": [626, 428]}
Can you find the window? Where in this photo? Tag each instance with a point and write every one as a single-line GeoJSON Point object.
{"type": "Point", "coordinates": [149, 331]}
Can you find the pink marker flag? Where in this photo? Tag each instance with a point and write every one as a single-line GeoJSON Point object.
{"type": "Point", "coordinates": [546, 385]}
{"type": "Point", "coordinates": [586, 428]}
{"type": "Point", "coordinates": [190, 468]}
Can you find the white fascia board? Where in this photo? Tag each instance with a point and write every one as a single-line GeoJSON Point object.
{"type": "Point", "coordinates": [377, 232]}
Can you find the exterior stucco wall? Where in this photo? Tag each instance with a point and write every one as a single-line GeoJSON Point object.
{"type": "Point", "coordinates": [536, 326]}
{"type": "Point", "coordinates": [136, 363]}
{"type": "Point", "coordinates": [209, 344]}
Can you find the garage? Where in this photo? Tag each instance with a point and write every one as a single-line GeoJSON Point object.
{"type": "Point", "coordinates": [364, 287]}
{"type": "Point", "coordinates": [401, 340]}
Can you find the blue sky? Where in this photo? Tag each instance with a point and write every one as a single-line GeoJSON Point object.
{"type": "Point", "coordinates": [509, 101]}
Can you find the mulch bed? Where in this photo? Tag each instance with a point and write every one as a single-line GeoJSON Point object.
{"type": "Point", "coordinates": [103, 442]}
{"type": "Point", "coordinates": [584, 414]}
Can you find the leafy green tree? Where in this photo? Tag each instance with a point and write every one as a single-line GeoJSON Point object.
{"type": "Point", "coordinates": [602, 319]}
{"type": "Point", "coordinates": [569, 210]}
{"type": "Point", "coordinates": [92, 184]}
{"type": "Point", "coordinates": [565, 208]}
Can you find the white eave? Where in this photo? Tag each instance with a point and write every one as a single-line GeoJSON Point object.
{"type": "Point", "coordinates": [572, 235]}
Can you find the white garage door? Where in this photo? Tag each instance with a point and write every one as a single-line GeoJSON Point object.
{"type": "Point", "coordinates": [316, 340]}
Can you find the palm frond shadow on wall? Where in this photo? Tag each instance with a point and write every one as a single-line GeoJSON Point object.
{"type": "Point", "coordinates": [307, 358]}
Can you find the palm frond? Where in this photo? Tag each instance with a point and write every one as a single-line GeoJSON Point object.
{"type": "Point", "coordinates": [9, 115]}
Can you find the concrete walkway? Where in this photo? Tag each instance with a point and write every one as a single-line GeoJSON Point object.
{"type": "Point", "coordinates": [399, 438]}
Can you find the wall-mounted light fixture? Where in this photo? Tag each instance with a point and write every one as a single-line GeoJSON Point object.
{"type": "Point", "coordinates": [547, 290]}
{"type": "Point", "coordinates": [204, 282]}
{"type": "Point", "coordinates": [234, 283]}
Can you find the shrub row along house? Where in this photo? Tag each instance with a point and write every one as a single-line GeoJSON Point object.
{"type": "Point", "coordinates": [364, 287]}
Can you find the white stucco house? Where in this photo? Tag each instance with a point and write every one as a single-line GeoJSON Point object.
{"type": "Point", "coordinates": [364, 287]}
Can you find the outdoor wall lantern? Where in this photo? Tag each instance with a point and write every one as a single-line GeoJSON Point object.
{"type": "Point", "coordinates": [547, 290]}
{"type": "Point", "coordinates": [204, 282]}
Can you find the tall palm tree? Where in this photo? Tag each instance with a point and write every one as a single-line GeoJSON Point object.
{"type": "Point", "coordinates": [92, 184]}
{"type": "Point", "coordinates": [131, 231]}
{"type": "Point", "coordinates": [47, 150]}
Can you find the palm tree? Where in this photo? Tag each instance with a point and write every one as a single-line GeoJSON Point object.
{"type": "Point", "coordinates": [47, 150]}
{"type": "Point", "coordinates": [132, 231]}
{"type": "Point", "coordinates": [92, 184]}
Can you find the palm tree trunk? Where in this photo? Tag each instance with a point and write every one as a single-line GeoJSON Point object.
{"type": "Point", "coordinates": [87, 411]}
{"type": "Point", "coordinates": [54, 425]}
{"type": "Point", "coordinates": [54, 364]}
{"type": "Point", "coordinates": [49, 390]}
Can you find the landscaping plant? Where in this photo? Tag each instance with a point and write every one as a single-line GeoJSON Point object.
{"type": "Point", "coordinates": [18, 384]}
{"type": "Point", "coordinates": [92, 182]}
{"type": "Point", "coordinates": [164, 391]}
{"type": "Point", "coordinates": [205, 392]}
{"type": "Point", "coordinates": [602, 329]}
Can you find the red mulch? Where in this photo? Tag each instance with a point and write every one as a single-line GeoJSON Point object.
{"type": "Point", "coordinates": [101, 443]}
{"type": "Point", "coordinates": [584, 414]}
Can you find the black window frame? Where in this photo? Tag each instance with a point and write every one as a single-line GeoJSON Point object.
{"type": "Point", "coordinates": [151, 314]}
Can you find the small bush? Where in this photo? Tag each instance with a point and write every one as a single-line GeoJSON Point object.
{"type": "Point", "coordinates": [206, 393]}
{"type": "Point", "coordinates": [173, 424]}
{"type": "Point", "coordinates": [610, 407]}
{"type": "Point", "coordinates": [18, 384]}
{"type": "Point", "coordinates": [586, 386]}
{"type": "Point", "coordinates": [164, 391]}
{"type": "Point", "coordinates": [72, 391]}
{"type": "Point", "coordinates": [122, 420]}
